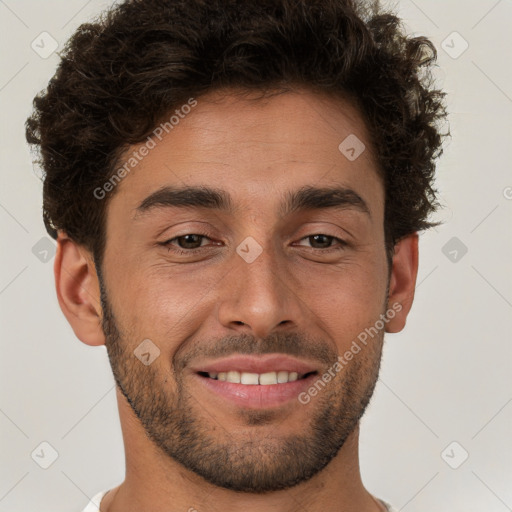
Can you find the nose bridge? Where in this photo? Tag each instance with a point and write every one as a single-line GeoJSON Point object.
{"type": "Point", "coordinates": [256, 292]}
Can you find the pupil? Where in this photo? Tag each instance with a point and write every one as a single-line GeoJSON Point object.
{"type": "Point", "coordinates": [326, 238]}
{"type": "Point", "coordinates": [187, 243]}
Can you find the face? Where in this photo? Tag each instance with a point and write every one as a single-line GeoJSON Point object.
{"type": "Point", "coordinates": [282, 265]}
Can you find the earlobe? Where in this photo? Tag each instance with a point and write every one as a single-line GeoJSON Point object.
{"type": "Point", "coordinates": [402, 282]}
{"type": "Point", "coordinates": [78, 292]}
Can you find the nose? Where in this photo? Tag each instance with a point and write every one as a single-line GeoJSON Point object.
{"type": "Point", "coordinates": [259, 297]}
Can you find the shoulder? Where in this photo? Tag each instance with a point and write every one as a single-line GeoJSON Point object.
{"type": "Point", "coordinates": [389, 508]}
{"type": "Point", "coordinates": [94, 503]}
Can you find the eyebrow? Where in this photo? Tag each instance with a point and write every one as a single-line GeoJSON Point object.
{"type": "Point", "coordinates": [305, 198]}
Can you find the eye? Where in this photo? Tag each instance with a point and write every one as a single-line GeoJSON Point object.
{"type": "Point", "coordinates": [191, 243]}
{"type": "Point", "coordinates": [325, 242]}
{"type": "Point", "coordinates": [186, 244]}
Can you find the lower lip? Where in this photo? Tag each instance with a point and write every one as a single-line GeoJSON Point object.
{"type": "Point", "coordinates": [257, 396]}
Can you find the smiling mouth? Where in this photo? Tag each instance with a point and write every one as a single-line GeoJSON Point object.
{"type": "Point", "coordinates": [252, 379]}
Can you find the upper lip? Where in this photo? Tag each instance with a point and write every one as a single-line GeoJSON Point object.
{"type": "Point", "coordinates": [257, 364]}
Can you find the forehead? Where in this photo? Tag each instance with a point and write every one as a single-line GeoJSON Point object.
{"type": "Point", "coordinates": [256, 149]}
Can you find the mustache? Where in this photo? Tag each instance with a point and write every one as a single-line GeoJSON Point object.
{"type": "Point", "coordinates": [292, 344]}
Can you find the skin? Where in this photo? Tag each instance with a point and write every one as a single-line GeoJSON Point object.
{"type": "Point", "coordinates": [185, 447]}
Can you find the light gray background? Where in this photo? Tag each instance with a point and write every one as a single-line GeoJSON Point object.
{"type": "Point", "coordinates": [447, 377]}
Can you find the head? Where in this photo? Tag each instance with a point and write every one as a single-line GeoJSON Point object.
{"type": "Point", "coordinates": [251, 185]}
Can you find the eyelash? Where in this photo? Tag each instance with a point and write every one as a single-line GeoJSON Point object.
{"type": "Point", "coordinates": [171, 248]}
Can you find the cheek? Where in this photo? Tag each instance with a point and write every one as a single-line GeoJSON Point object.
{"type": "Point", "coordinates": [348, 301]}
{"type": "Point", "coordinates": [165, 303]}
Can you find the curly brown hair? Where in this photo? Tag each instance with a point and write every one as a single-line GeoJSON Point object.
{"type": "Point", "coordinates": [122, 74]}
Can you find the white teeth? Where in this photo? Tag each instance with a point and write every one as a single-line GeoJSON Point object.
{"type": "Point", "coordinates": [282, 376]}
{"type": "Point", "coordinates": [268, 378]}
{"type": "Point", "coordinates": [263, 379]}
{"type": "Point", "coordinates": [234, 377]}
{"type": "Point", "coordinates": [249, 378]}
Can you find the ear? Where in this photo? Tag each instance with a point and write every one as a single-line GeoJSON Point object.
{"type": "Point", "coordinates": [78, 290]}
{"type": "Point", "coordinates": [402, 282]}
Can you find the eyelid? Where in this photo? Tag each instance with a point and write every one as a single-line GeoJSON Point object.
{"type": "Point", "coordinates": [201, 235]}
{"type": "Point", "coordinates": [193, 227]}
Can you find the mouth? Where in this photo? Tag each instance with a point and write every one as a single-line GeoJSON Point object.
{"type": "Point", "coordinates": [256, 381]}
{"type": "Point", "coordinates": [255, 391]}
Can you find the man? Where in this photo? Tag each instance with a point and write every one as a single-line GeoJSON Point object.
{"type": "Point", "coordinates": [236, 189]}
